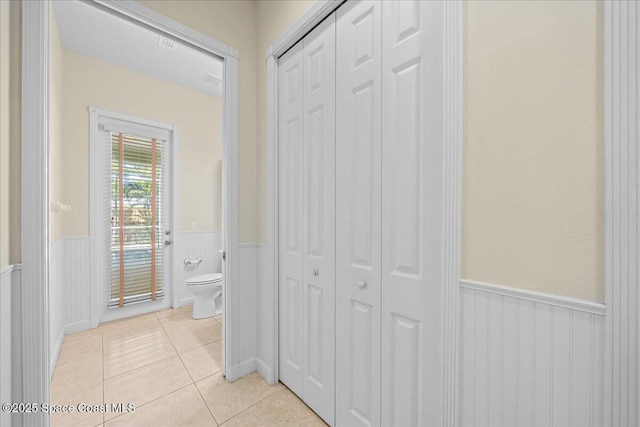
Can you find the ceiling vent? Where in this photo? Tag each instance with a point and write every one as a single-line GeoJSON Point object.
{"type": "Point", "coordinates": [166, 43]}
{"type": "Point", "coordinates": [211, 78]}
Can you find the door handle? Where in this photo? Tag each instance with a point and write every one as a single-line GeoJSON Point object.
{"type": "Point", "coordinates": [361, 284]}
{"type": "Point", "coordinates": [315, 272]}
{"type": "Point", "coordinates": [167, 242]}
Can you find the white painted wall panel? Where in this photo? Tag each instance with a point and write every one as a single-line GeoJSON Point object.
{"type": "Point", "coordinates": [56, 299]}
{"type": "Point", "coordinates": [529, 363]}
{"type": "Point", "coordinates": [193, 244]}
{"type": "Point", "coordinates": [6, 325]}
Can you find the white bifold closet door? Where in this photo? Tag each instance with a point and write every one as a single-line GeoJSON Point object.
{"type": "Point", "coordinates": [358, 219]}
{"type": "Point", "coordinates": [412, 202]}
{"type": "Point", "coordinates": [307, 219]}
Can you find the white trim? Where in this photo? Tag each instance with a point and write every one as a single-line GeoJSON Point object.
{"type": "Point", "coordinates": [540, 297]}
{"type": "Point", "coordinates": [452, 218]}
{"type": "Point", "coordinates": [241, 369]}
{"type": "Point", "coordinates": [265, 371]}
{"type": "Point", "coordinates": [149, 17]}
{"type": "Point", "coordinates": [97, 117]}
{"type": "Point", "coordinates": [300, 28]}
{"type": "Point", "coordinates": [56, 352]}
{"type": "Point", "coordinates": [35, 208]}
{"type": "Point", "coordinates": [35, 194]}
{"type": "Point", "coordinates": [7, 270]}
{"type": "Point", "coordinates": [184, 302]}
{"type": "Point", "coordinates": [72, 328]}
{"type": "Point", "coordinates": [271, 261]}
{"type": "Point", "coordinates": [230, 302]}
{"type": "Point", "coordinates": [622, 223]}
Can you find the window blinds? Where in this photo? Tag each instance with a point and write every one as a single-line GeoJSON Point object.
{"type": "Point", "coordinates": [137, 197]}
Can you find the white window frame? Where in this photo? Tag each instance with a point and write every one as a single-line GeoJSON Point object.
{"type": "Point", "coordinates": [35, 186]}
{"type": "Point", "coordinates": [148, 128]}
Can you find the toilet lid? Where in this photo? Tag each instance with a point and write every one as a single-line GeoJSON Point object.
{"type": "Point", "coordinates": [204, 279]}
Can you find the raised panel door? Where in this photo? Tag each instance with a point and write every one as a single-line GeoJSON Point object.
{"type": "Point", "coordinates": [358, 208]}
{"type": "Point", "coordinates": [318, 219]}
{"type": "Point", "coordinates": [412, 150]}
{"type": "Point", "coordinates": [290, 256]}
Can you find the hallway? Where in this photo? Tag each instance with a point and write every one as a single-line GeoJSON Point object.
{"type": "Point", "coordinates": [169, 366]}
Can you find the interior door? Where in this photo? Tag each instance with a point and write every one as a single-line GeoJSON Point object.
{"type": "Point", "coordinates": [412, 150]}
{"type": "Point", "coordinates": [318, 224]}
{"type": "Point", "coordinates": [290, 128]}
{"type": "Point", "coordinates": [358, 204]}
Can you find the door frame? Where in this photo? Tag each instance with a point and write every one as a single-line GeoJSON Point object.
{"type": "Point", "coordinates": [35, 184]}
{"type": "Point", "coordinates": [452, 170]}
{"type": "Point", "coordinates": [98, 311]}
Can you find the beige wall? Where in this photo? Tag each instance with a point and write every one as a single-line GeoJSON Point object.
{"type": "Point", "coordinates": [533, 146]}
{"type": "Point", "coordinates": [56, 111]}
{"type": "Point", "coordinates": [89, 81]}
{"type": "Point", "coordinates": [274, 18]}
{"type": "Point", "coordinates": [4, 133]}
{"type": "Point", "coordinates": [233, 23]}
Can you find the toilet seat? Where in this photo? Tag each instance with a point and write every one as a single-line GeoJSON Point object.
{"type": "Point", "coordinates": [204, 279]}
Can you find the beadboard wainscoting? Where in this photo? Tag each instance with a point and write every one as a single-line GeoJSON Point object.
{"type": "Point", "coordinates": [194, 244]}
{"type": "Point", "coordinates": [10, 342]}
{"type": "Point", "coordinates": [57, 305]}
{"type": "Point", "coordinates": [265, 352]}
{"type": "Point", "coordinates": [530, 359]}
{"type": "Point", "coordinates": [6, 288]}
{"type": "Point", "coordinates": [246, 317]}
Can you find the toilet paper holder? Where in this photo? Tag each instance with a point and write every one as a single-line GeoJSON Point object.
{"type": "Point", "coordinates": [189, 261]}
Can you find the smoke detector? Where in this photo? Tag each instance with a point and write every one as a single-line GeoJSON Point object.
{"type": "Point", "coordinates": [166, 43]}
{"type": "Point", "coordinates": [212, 79]}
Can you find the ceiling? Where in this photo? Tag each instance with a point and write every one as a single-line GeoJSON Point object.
{"type": "Point", "coordinates": [93, 32]}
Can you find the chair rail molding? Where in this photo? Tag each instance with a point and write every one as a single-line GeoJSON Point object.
{"type": "Point", "coordinates": [35, 208]}
{"type": "Point", "coordinates": [622, 231]}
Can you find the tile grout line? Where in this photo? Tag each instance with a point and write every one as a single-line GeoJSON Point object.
{"type": "Point", "coordinates": [151, 401]}
{"type": "Point", "coordinates": [258, 402]}
{"type": "Point", "coordinates": [189, 373]}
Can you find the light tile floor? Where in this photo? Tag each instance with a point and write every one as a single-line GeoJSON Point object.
{"type": "Point", "coordinates": [168, 365]}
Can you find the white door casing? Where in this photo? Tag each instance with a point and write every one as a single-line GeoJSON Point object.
{"type": "Point", "coordinates": [412, 203]}
{"type": "Point", "coordinates": [290, 200]}
{"type": "Point", "coordinates": [358, 207]}
{"type": "Point", "coordinates": [318, 218]}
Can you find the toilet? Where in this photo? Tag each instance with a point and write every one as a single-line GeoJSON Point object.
{"type": "Point", "coordinates": [206, 288]}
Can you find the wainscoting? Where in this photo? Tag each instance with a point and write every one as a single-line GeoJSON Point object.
{"type": "Point", "coordinates": [265, 319]}
{"type": "Point", "coordinates": [70, 287]}
{"type": "Point", "coordinates": [530, 359]}
{"type": "Point", "coordinates": [193, 244]}
{"type": "Point", "coordinates": [10, 342]}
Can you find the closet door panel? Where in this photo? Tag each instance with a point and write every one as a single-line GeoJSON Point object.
{"type": "Point", "coordinates": [318, 217]}
{"type": "Point", "coordinates": [290, 128]}
{"type": "Point", "coordinates": [358, 207]}
{"type": "Point", "coordinates": [412, 140]}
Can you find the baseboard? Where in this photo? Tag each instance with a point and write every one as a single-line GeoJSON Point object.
{"type": "Point", "coordinates": [183, 302]}
{"type": "Point", "coordinates": [72, 328]}
{"type": "Point", "coordinates": [238, 371]}
{"type": "Point", "coordinates": [56, 353]}
{"type": "Point", "coordinates": [265, 371]}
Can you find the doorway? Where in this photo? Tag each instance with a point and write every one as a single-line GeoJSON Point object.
{"type": "Point", "coordinates": [38, 286]}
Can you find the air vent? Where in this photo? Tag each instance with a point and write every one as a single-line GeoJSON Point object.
{"type": "Point", "coordinates": [211, 78]}
{"type": "Point", "coordinates": [166, 43]}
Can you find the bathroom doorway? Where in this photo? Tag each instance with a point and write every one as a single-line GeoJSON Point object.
{"type": "Point", "coordinates": [177, 84]}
